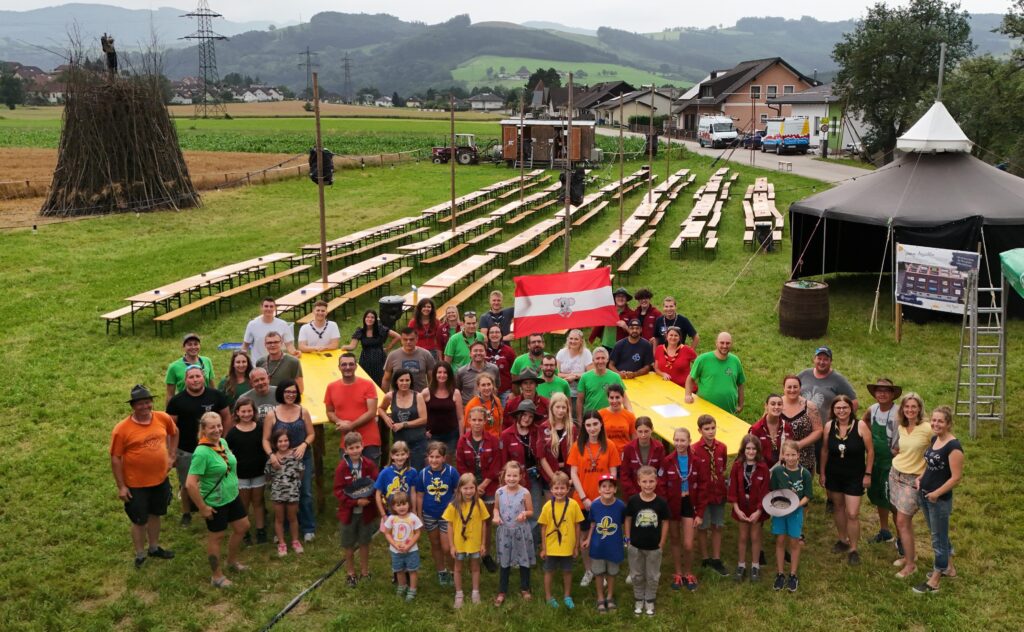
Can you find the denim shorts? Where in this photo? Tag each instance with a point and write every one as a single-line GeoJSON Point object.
{"type": "Point", "coordinates": [433, 524]}
{"type": "Point", "coordinates": [463, 556]}
{"type": "Point", "coordinates": [252, 483]}
{"type": "Point", "coordinates": [714, 516]}
{"type": "Point", "coordinates": [408, 561]}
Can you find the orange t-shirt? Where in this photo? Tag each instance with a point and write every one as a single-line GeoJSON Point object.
{"type": "Point", "coordinates": [618, 427]}
{"type": "Point", "coordinates": [144, 449]}
{"type": "Point", "coordinates": [494, 412]}
{"type": "Point", "coordinates": [349, 402]}
{"type": "Point", "coordinates": [591, 464]}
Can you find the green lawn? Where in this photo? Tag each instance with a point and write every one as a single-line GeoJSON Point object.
{"type": "Point", "coordinates": [66, 560]}
{"type": "Point", "coordinates": [474, 72]}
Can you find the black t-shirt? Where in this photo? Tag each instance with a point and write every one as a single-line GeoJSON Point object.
{"type": "Point", "coordinates": [680, 321]}
{"type": "Point", "coordinates": [628, 356]}
{"type": "Point", "coordinates": [189, 409]}
{"type": "Point", "coordinates": [647, 516]}
{"type": "Point", "coordinates": [502, 319]}
{"type": "Point", "coordinates": [936, 467]}
{"type": "Point", "coordinates": [248, 449]}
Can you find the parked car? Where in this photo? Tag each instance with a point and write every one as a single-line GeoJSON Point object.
{"type": "Point", "coordinates": [752, 140]}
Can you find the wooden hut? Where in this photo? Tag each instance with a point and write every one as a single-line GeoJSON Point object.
{"type": "Point", "coordinates": [544, 141]}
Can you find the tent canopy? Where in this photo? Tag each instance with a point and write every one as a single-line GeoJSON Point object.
{"type": "Point", "coordinates": [936, 131]}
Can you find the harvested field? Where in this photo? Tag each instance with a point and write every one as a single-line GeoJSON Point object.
{"type": "Point", "coordinates": [294, 108]}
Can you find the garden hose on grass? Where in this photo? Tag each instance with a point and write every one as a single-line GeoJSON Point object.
{"type": "Point", "coordinates": [297, 598]}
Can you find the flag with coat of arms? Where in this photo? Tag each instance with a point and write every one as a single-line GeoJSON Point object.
{"type": "Point", "coordinates": [565, 300]}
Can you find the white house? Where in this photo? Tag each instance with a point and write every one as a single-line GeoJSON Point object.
{"type": "Point", "coordinates": [413, 102]}
{"type": "Point", "coordinates": [383, 102]}
{"type": "Point", "coordinates": [636, 103]}
{"type": "Point", "coordinates": [486, 102]}
{"type": "Point", "coordinates": [181, 99]}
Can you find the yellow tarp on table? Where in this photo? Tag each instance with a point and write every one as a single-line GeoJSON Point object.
{"type": "Point", "coordinates": [319, 370]}
{"type": "Point", "coordinates": [664, 402]}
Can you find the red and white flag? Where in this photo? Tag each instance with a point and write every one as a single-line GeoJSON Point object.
{"type": "Point", "coordinates": [548, 302]}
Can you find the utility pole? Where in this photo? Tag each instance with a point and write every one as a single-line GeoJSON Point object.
{"type": "Point", "coordinates": [310, 65]}
{"type": "Point", "coordinates": [209, 103]}
{"type": "Point", "coordinates": [346, 91]}
{"type": "Point", "coordinates": [650, 149]}
{"type": "Point", "coordinates": [451, 155]}
{"type": "Point", "coordinates": [522, 137]}
{"type": "Point", "coordinates": [568, 180]}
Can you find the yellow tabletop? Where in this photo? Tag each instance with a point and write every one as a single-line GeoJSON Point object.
{"type": "Point", "coordinates": [319, 370]}
{"type": "Point", "coordinates": [664, 403]}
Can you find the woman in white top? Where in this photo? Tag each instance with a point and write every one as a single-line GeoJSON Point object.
{"type": "Point", "coordinates": [574, 359]}
{"type": "Point", "coordinates": [321, 334]}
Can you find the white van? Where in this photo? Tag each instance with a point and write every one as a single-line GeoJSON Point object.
{"type": "Point", "coordinates": [716, 131]}
{"type": "Point", "coordinates": [790, 134]}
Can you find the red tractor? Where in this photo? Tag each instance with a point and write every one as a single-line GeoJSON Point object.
{"type": "Point", "coordinates": [465, 151]}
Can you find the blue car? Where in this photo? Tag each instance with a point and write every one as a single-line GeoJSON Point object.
{"type": "Point", "coordinates": [752, 141]}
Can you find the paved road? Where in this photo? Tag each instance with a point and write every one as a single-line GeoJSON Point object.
{"type": "Point", "coordinates": [805, 166]}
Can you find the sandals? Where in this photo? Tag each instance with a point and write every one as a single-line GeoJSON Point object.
{"type": "Point", "coordinates": [221, 582]}
{"type": "Point", "coordinates": [500, 599]}
{"type": "Point", "coordinates": [526, 595]}
{"type": "Point", "coordinates": [601, 607]}
{"type": "Point", "coordinates": [905, 573]}
{"type": "Point", "coordinates": [238, 566]}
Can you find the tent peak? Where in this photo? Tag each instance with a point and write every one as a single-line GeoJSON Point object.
{"type": "Point", "coordinates": [936, 131]}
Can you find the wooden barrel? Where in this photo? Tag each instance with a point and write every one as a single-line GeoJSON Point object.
{"type": "Point", "coordinates": [803, 309]}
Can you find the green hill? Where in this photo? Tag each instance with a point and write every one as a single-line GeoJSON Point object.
{"type": "Point", "coordinates": [473, 73]}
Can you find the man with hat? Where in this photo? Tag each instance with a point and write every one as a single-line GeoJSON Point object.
{"type": "Point", "coordinates": [527, 382]}
{"type": "Point", "coordinates": [610, 335]}
{"type": "Point", "coordinates": [881, 418]}
{"type": "Point", "coordinates": [517, 443]}
{"type": "Point", "coordinates": [820, 383]}
{"type": "Point", "coordinates": [142, 449]}
{"type": "Point", "coordinates": [647, 313]}
{"type": "Point", "coordinates": [186, 408]}
{"type": "Point", "coordinates": [632, 356]}
{"type": "Point", "coordinates": [465, 378]}
{"type": "Point", "coordinates": [175, 379]}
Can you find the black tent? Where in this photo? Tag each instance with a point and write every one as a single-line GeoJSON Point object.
{"type": "Point", "coordinates": [937, 195]}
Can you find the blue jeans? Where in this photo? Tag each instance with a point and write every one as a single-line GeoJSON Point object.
{"type": "Point", "coordinates": [307, 515]}
{"type": "Point", "coordinates": [936, 514]}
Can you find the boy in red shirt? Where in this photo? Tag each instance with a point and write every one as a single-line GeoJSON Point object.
{"type": "Point", "coordinates": [709, 491]}
{"type": "Point", "coordinates": [357, 516]}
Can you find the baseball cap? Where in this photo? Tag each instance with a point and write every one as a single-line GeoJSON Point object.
{"type": "Point", "coordinates": [634, 321]}
{"type": "Point", "coordinates": [190, 336]}
{"type": "Point", "coordinates": [825, 350]}
{"type": "Point", "coordinates": [609, 478]}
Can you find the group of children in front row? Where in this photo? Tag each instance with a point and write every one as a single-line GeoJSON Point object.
{"type": "Point", "coordinates": [666, 494]}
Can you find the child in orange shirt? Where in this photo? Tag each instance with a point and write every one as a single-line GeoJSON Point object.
{"type": "Point", "coordinates": [619, 423]}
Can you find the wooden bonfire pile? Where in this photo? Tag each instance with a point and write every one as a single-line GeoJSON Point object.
{"type": "Point", "coordinates": [118, 149]}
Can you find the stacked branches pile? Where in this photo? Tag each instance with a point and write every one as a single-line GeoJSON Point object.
{"type": "Point", "coordinates": [118, 150]}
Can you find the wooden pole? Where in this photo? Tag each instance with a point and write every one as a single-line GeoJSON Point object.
{"type": "Point", "coordinates": [899, 322]}
{"type": "Point", "coordinates": [568, 180]}
{"type": "Point", "coordinates": [519, 142]}
{"type": "Point", "coordinates": [668, 149]}
{"type": "Point", "coordinates": [451, 156]}
{"type": "Point", "coordinates": [622, 165]}
{"type": "Point", "coordinates": [320, 180]}
{"type": "Point", "coordinates": [650, 149]}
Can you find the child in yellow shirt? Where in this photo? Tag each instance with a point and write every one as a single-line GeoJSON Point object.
{"type": "Point", "coordinates": [560, 544]}
{"type": "Point", "coordinates": [466, 515]}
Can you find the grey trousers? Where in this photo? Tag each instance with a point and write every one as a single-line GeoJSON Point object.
{"type": "Point", "coordinates": [645, 570]}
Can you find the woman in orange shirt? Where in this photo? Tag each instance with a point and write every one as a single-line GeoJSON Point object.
{"type": "Point", "coordinates": [485, 398]}
{"type": "Point", "coordinates": [619, 423]}
{"type": "Point", "coordinates": [590, 458]}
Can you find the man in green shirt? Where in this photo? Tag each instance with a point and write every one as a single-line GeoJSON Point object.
{"type": "Point", "coordinates": [456, 352]}
{"type": "Point", "coordinates": [551, 382]}
{"type": "Point", "coordinates": [175, 379]}
{"type": "Point", "coordinates": [718, 377]}
{"type": "Point", "coordinates": [533, 356]}
{"type": "Point", "coordinates": [591, 393]}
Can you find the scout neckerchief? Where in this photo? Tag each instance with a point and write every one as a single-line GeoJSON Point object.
{"type": "Point", "coordinates": [465, 519]}
{"type": "Point", "coordinates": [354, 469]}
{"type": "Point", "coordinates": [774, 439]}
{"type": "Point", "coordinates": [488, 407]}
{"type": "Point", "coordinates": [593, 459]}
{"type": "Point", "coordinates": [557, 524]}
{"type": "Point", "coordinates": [842, 438]}
{"type": "Point", "coordinates": [319, 332]}
{"type": "Point", "coordinates": [711, 452]}
{"type": "Point", "coordinates": [477, 446]}
{"type": "Point", "coordinates": [218, 448]}
{"type": "Point", "coordinates": [400, 475]}
{"type": "Point", "coordinates": [527, 449]}
{"type": "Point", "coordinates": [748, 474]}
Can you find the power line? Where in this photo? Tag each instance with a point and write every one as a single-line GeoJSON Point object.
{"type": "Point", "coordinates": [209, 103]}
{"type": "Point", "coordinates": [310, 65]}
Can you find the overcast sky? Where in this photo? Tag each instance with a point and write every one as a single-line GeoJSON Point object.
{"type": "Point", "coordinates": [653, 15]}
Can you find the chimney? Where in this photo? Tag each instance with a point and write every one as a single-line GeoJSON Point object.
{"type": "Point", "coordinates": [714, 74]}
{"type": "Point", "coordinates": [815, 74]}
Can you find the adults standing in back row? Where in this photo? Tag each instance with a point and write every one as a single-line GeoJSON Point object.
{"type": "Point", "coordinates": [175, 379]}
{"type": "Point", "coordinates": [456, 352]}
{"type": "Point", "coordinates": [820, 383]}
{"type": "Point", "coordinates": [498, 315]}
{"type": "Point", "coordinates": [718, 375]}
{"type": "Point", "coordinates": [410, 357]}
{"type": "Point", "coordinates": [280, 366]}
{"type": "Point", "coordinates": [258, 328]}
{"type": "Point", "coordinates": [142, 449]}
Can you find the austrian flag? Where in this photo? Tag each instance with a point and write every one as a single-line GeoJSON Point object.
{"type": "Point", "coordinates": [549, 302]}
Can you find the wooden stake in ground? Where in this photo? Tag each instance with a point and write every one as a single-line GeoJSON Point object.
{"type": "Point", "coordinates": [568, 181]}
{"type": "Point", "coordinates": [118, 149]}
{"type": "Point", "coordinates": [650, 150]}
{"type": "Point", "coordinates": [320, 179]}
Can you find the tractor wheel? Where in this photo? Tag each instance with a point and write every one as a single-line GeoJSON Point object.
{"type": "Point", "coordinates": [437, 160]}
{"type": "Point", "coordinates": [464, 157]}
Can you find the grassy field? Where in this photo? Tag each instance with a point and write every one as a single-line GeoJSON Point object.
{"type": "Point", "coordinates": [276, 109]}
{"type": "Point", "coordinates": [66, 561]}
{"type": "Point", "coordinates": [474, 72]}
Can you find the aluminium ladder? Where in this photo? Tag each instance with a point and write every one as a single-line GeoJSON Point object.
{"type": "Point", "coordinates": [981, 370]}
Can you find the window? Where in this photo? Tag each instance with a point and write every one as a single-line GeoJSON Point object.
{"type": "Point", "coordinates": [773, 91]}
{"type": "Point", "coordinates": [705, 92]}
{"type": "Point", "coordinates": [788, 90]}
{"type": "Point", "coordinates": [764, 119]}
{"type": "Point", "coordinates": [817, 126]}
{"type": "Point", "coordinates": [755, 92]}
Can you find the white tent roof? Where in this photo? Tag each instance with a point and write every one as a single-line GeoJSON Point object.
{"type": "Point", "coordinates": [936, 131]}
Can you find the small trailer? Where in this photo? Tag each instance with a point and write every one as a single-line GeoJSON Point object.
{"type": "Point", "coordinates": [544, 142]}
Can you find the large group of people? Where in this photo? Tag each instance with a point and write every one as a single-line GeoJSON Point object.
{"type": "Point", "coordinates": [507, 459]}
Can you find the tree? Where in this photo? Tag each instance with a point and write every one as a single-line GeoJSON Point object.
{"type": "Point", "coordinates": [285, 91]}
{"type": "Point", "coordinates": [490, 71]}
{"type": "Point", "coordinates": [396, 100]}
{"type": "Point", "coordinates": [1013, 25]}
{"type": "Point", "coordinates": [550, 77]}
{"type": "Point", "coordinates": [890, 63]}
{"type": "Point", "coordinates": [12, 90]}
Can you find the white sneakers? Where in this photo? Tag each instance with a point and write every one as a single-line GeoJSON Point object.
{"type": "Point", "coordinates": [587, 578]}
{"type": "Point", "coordinates": [638, 607]}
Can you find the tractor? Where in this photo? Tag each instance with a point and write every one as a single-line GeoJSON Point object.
{"type": "Point", "coordinates": [465, 151]}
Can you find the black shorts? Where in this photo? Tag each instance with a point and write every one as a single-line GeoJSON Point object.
{"type": "Point", "coordinates": [846, 484]}
{"type": "Point", "coordinates": [148, 501]}
{"type": "Point", "coordinates": [686, 508]}
{"type": "Point", "coordinates": [225, 515]}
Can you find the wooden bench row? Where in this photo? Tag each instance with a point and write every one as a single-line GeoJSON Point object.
{"type": "Point", "coordinates": [470, 290]}
{"type": "Point", "coordinates": [355, 293]}
{"type": "Point", "coordinates": [538, 251]}
{"type": "Point", "coordinates": [375, 245]}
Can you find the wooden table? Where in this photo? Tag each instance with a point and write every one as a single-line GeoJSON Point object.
{"type": "Point", "coordinates": [692, 231]}
{"type": "Point", "coordinates": [525, 238]}
{"type": "Point", "coordinates": [172, 291]}
{"type": "Point", "coordinates": [303, 295]}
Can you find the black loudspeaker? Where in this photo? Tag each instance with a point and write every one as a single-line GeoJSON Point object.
{"type": "Point", "coordinates": [328, 166]}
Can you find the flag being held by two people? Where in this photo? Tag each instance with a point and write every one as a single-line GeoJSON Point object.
{"type": "Point", "coordinates": [567, 300]}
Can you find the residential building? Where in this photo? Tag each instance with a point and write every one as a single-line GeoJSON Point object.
{"type": "Point", "coordinates": [636, 103]}
{"type": "Point", "coordinates": [819, 104]}
{"type": "Point", "coordinates": [585, 105]}
{"type": "Point", "coordinates": [742, 93]}
{"type": "Point", "coordinates": [486, 102]}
